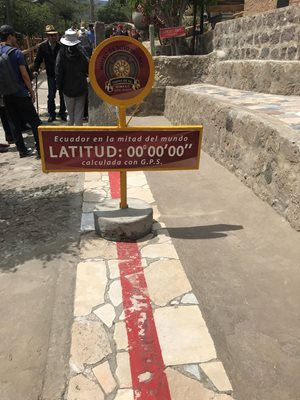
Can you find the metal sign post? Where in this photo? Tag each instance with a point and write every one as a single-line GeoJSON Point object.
{"type": "Point", "coordinates": [121, 72]}
{"type": "Point", "coordinates": [123, 174]}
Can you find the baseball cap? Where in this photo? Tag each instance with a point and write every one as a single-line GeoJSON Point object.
{"type": "Point", "coordinates": [6, 30]}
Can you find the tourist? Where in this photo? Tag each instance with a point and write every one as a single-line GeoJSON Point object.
{"type": "Point", "coordinates": [19, 105]}
{"type": "Point", "coordinates": [71, 76]}
{"type": "Point", "coordinates": [47, 52]}
{"type": "Point", "coordinates": [135, 35]}
{"type": "Point", "coordinates": [85, 41]}
{"type": "Point", "coordinates": [91, 35]}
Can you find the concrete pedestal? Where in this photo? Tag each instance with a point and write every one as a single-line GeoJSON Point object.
{"type": "Point", "coordinates": [123, 225]}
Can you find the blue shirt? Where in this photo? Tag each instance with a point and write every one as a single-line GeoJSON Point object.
{"type": "Point", "coordinates": [91, 36]}
{"type": "Point", "coordinates": [17, 58]}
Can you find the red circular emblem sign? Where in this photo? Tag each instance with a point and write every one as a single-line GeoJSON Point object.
{"type": "Point", "coordinates": [121, 71]}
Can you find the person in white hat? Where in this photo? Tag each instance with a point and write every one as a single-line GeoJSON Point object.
{"type": "Point", "coordinates": [71, 76]}
{"type": "Point", "coordinates": [47, 52]}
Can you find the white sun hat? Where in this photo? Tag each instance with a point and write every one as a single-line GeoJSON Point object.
{"type": "Point", "coordinates": [70, 38]}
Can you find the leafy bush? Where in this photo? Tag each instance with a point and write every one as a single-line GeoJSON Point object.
{"type": "Point", "coordinates": [112, 12]}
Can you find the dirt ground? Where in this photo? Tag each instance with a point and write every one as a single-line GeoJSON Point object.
{"type": "Point", "coordinates": [39, 233]}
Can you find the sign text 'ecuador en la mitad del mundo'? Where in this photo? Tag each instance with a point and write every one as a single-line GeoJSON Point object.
{"type": "Point", "coordinates": [121, 73]}
{"type": "Point", "coordinates": [107, 148]}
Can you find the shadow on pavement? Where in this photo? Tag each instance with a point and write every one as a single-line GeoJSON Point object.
{"type": "Point", "coordinates": [38, 223]}
{"type": "Point", "coordinates": [203, 232]}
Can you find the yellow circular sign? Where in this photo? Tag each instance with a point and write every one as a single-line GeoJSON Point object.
{"type": "Point", "coordinates": [121, 71]}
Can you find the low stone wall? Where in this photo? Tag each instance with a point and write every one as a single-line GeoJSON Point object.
{"type": "Point", "coordinates": [204, 43]}
{"type": "Point", "coordinates": [276, 77]}
{"type": "Point", "coordinates": [263, 153]}
{"type": "Point", "coordinates": [153, 104]}
{"type": "Point", "coordinates": [182, 70]}
{"type": "Point", "coordinates": [101, 113]}
{"type": "Point", "coordinates": [272, 35]}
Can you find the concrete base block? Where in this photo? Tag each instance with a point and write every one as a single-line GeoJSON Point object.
{"type": "Point", "coordinates": [123, 225]}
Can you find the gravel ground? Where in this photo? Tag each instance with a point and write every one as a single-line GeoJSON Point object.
{"type": "Point", "coordinates": [39, 233]}
{"type": "Point", "coordinates": [36, 209]}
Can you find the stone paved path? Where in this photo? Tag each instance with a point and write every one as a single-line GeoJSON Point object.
{"type": "Point", "coordinates": [103, 360]}
{"type": "Point", "coordinates": [102, 365]}
{"type": "Point", "coordinates": [285, 108]}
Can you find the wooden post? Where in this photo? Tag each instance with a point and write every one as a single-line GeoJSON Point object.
{"type": "Point", "coordinates": [123, 176]}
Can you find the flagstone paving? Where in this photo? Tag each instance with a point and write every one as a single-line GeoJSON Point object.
{"type": "Point", "coordinates": [284, 108]}
{"type": "Point", "coordinates": [99, 362]}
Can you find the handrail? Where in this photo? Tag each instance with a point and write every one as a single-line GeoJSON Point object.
{"type": "Point", "coordinates": [30, 51]}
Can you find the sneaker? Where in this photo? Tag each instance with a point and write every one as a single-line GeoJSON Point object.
{"type": "Point", "coordinates": [51, 118]}
{"type": "Point", "coordinates": [26, 153]}
{"type": "Point", "coordinates": [63, 117]}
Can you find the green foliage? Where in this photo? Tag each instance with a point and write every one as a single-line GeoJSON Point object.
{"type": "Point", "coordinates": [112, 12]}
{"type": "Point", "coordinates": [31, 17]}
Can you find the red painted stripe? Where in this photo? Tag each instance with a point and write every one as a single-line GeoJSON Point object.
{"type": "Point", "coordinates": [149, 380]}
{"type": "Point", "coordinates": [114, 181]}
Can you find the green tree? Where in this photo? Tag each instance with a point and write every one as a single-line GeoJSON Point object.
{"type": "Point", "coordinates": [113, 11]}
{"type": "Point", "coordinates": [31, 16]}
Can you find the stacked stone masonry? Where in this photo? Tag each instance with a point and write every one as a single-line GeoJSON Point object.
{"type": "Point", "coordinates": [274, 35]}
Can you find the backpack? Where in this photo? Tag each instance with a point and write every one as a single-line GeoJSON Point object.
{"type": "Point", "coordinates": [8, 80]}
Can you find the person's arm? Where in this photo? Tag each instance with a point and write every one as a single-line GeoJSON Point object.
{"type": "Point", "coordinates": [59, 70]}
{"type": "Point", "coordinates": [27, 81]}
{"type": "Point", "coordinates": [38, 59]}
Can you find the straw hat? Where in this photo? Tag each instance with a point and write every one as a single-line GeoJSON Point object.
{"type": "Point", "coordinates": [70, 38]}
{"type": "Point", "coordinates": [50, 30]}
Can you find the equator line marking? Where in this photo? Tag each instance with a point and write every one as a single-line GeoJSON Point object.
{"type": "Point", "coordinates": [149, 380]}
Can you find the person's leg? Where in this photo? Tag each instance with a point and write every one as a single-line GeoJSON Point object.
{"type": "Point", "coordinates": [70, 104]}
{"type": "Point", "coordinates": [31, 116]}
{"type": "Point", "coordinates": [86, 108]}
{"type": "Point", "coordinates": [7, 126]}
{"type": "Point", "coordinates": [79, 110]}
{"type": "Point", "coordinates": [51, 97]}
{"type": "Point", "coordinates": [14, 114]}
{"type": "Point", "coordinates": [62, 106]}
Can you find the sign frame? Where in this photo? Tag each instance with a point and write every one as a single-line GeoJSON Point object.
{"type": "Point", "coordinates": [93, 80]}
{"type": "Point", "coordinates": [117, 129]}
{"type": "Point", "coordinates": [175, 31]}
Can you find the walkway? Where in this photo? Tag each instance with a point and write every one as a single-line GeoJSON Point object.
{"type": "Point", "coordinates": [202, 303]}
{"type": "Point", "coordinates": [285, 108]}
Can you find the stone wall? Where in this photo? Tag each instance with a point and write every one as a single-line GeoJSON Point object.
{"type": "Point", "coordinates": [182, 70]}
{"type": "Point", "coordinates": [263, 153]}
{"type": "Point", "coordinates": [269, 76]}
{"type": "Point", "coordinates": [153, 104]}
{"type": "Point", "coordinates": [274, 35]}
{"type": "Point", "coordinates": [204, 43]}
